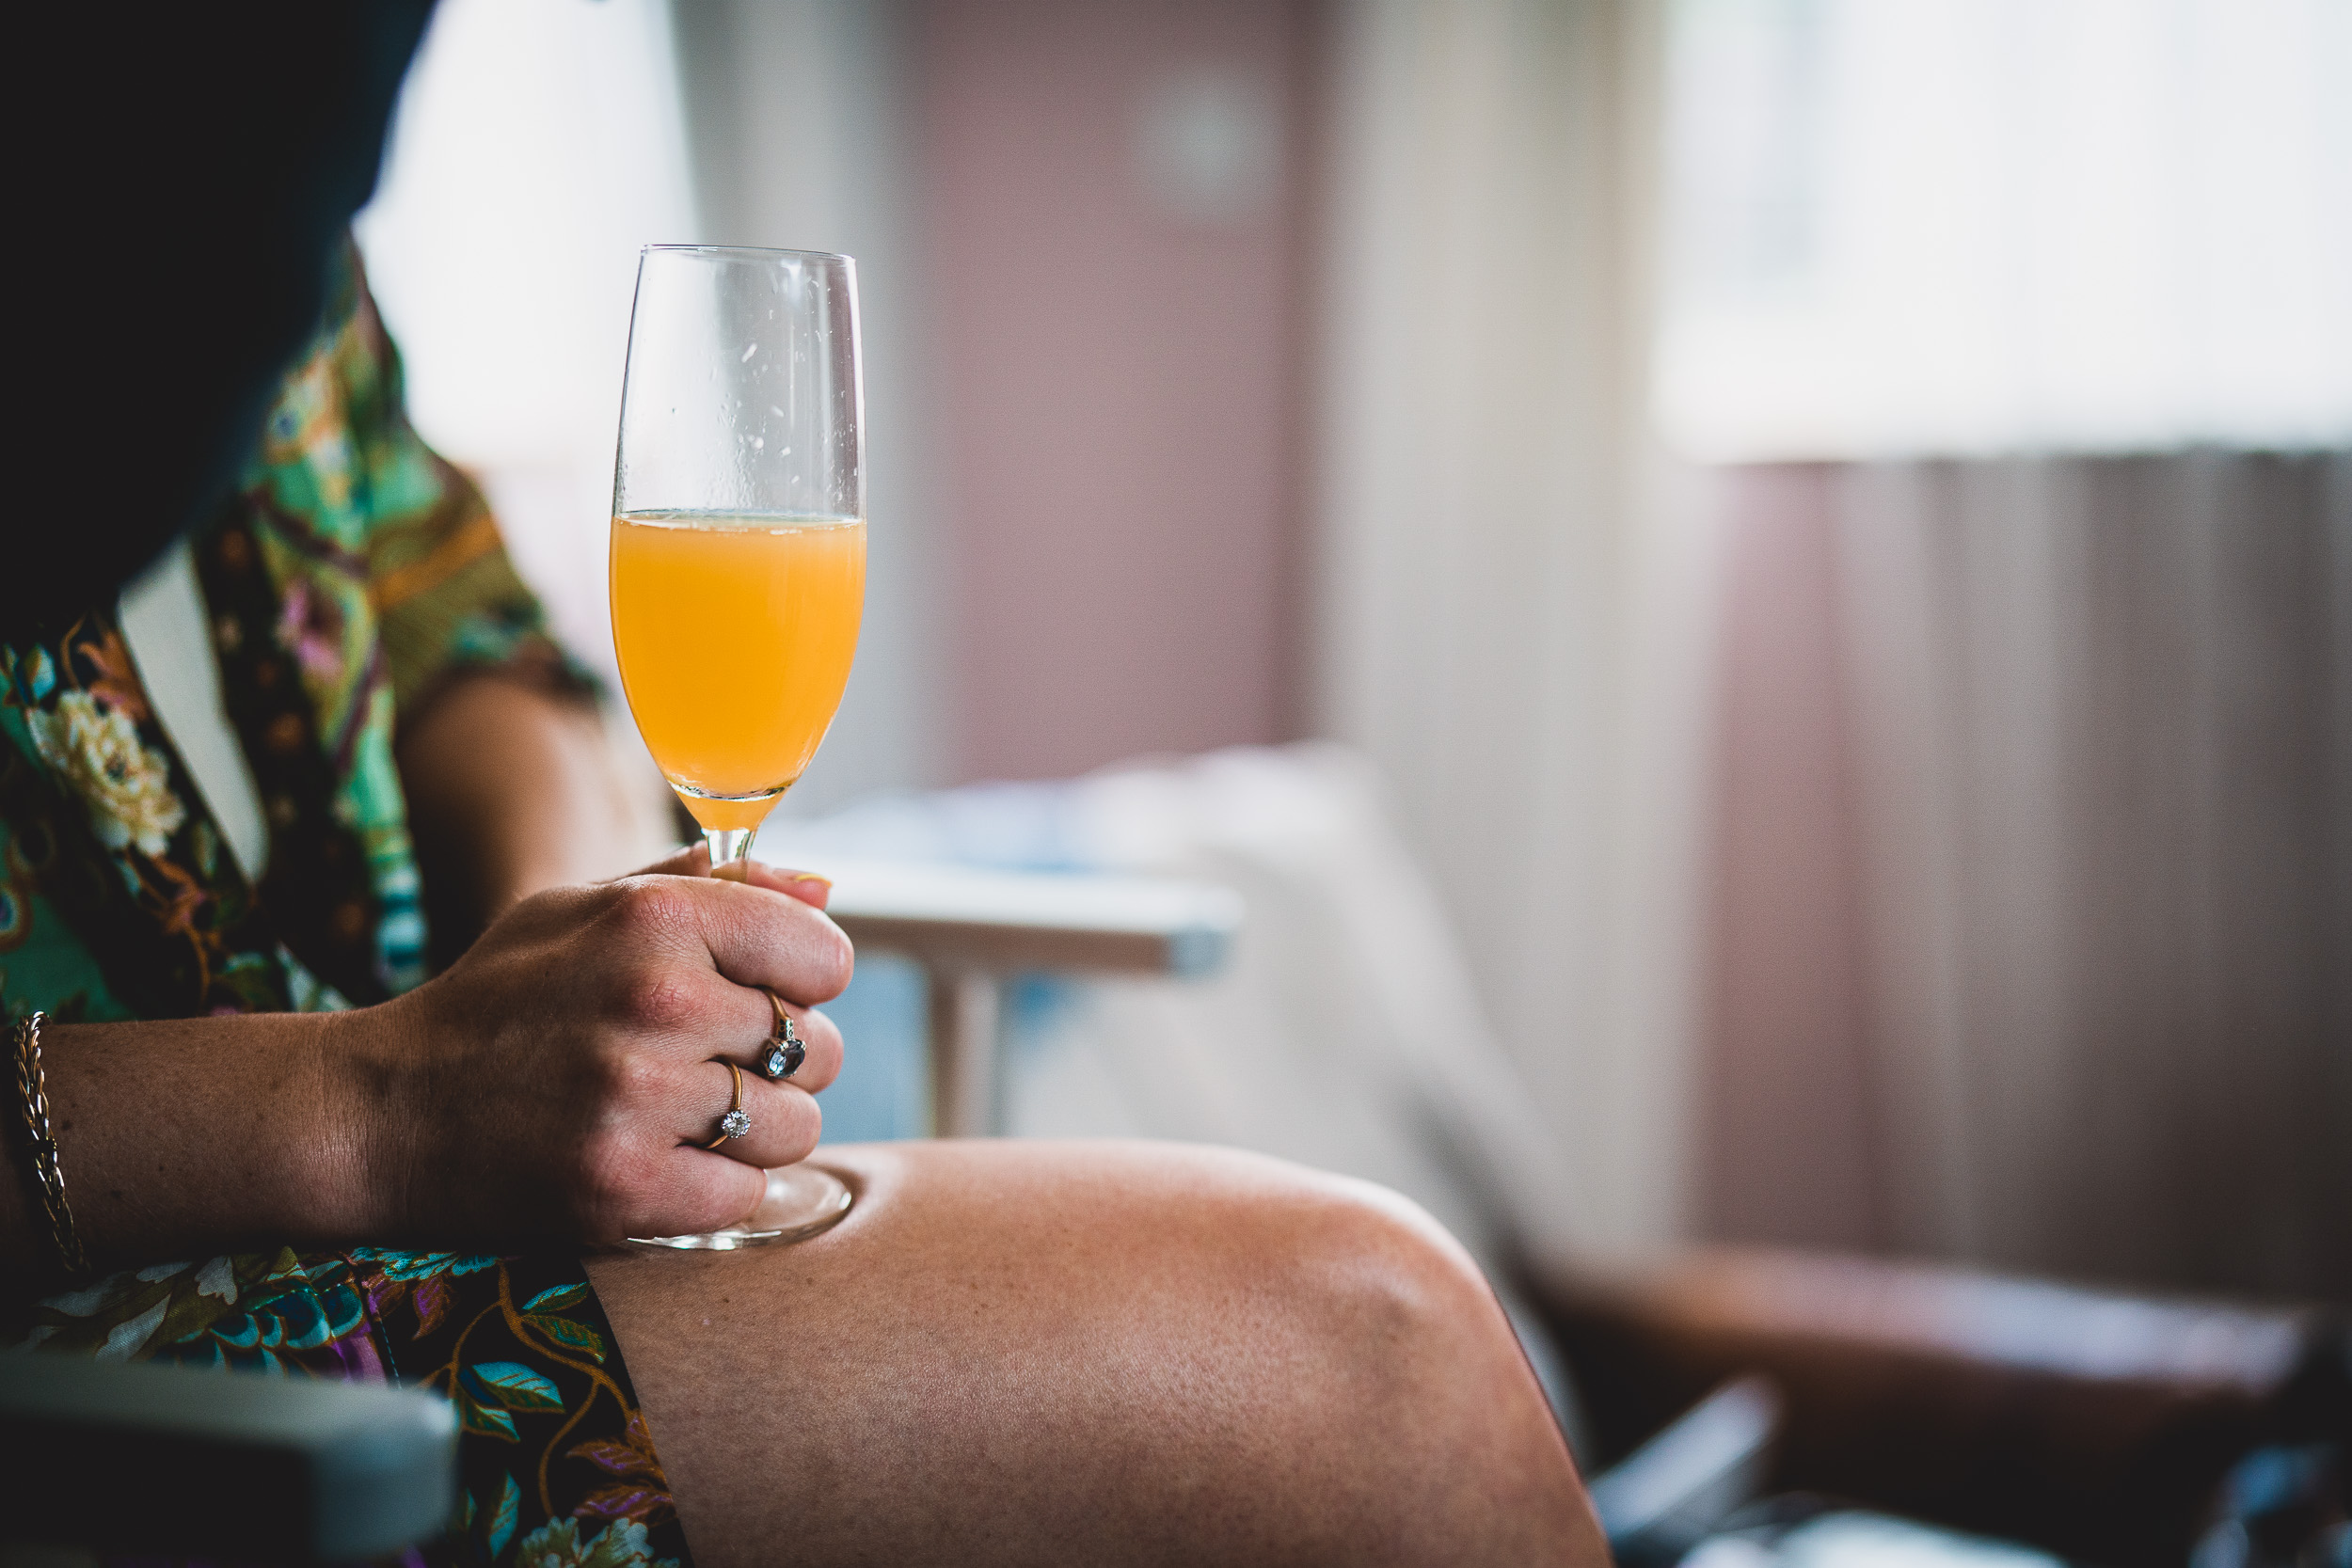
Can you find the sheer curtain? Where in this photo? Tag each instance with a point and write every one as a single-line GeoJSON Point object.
{"type": "Point", "coordinates": [2029, 875]}
{"type": "Point", "coordinates": [1506, 627]}
{"type": "Point", "coordinates": [2103, 720]}
{"type": "Point", "coordinates": [2033, 869]}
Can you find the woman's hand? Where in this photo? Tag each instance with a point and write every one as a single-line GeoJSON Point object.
{"type": "Point", "coordinates": [558, 1079]}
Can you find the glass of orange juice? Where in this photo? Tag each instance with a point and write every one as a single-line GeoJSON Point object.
{"type": "Point", "coordinates": [738, 556]}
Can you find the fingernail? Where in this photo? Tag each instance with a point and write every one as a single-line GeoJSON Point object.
{"type": "Point", "coordinates": [825, 882]}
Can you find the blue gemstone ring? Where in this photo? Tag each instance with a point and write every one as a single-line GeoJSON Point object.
{"type": "Point", "coordinates": [783, 1053]}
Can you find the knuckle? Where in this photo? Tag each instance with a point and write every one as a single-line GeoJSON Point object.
{"type": "Point", "coordinates": [656, 997]}
{"type": "Point", "coordinates": [634, 1080]}
{"type": "Point", "coordinates": [647, 906]}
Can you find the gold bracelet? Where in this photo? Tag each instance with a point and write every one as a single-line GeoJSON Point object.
{"type": "Point", "coordinates": [33, 1090]}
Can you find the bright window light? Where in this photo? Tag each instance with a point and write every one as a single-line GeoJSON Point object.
{"type": "Point", "coordinates": [537, 145]}
{"type": "Point", "coordinates": [1964, 226]}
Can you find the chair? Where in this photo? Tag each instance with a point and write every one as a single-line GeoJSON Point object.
{"type": "Point", "coordinates": [2101, 1425]}
{"type": "Point", "coordinates": [176, 1462]}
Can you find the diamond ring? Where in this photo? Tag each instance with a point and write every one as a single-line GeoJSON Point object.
{"type": "Point", "coordinates": [784, 1053]}
{"type": "Point", "coordinates": [736, 1121]}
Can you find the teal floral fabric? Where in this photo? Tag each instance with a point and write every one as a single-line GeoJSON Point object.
{"type": "Point", "coordinates": [354, 574]}
{"type": "Point", "coordinates": [558, 1467]}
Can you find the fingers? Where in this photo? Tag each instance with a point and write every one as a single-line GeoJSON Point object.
{"type": "Point", "coordinates": [718, 1022]}
{"type": "Point", "coordinates": [710, 1016]}
{"type": "Point", "coordinates": [743, 931]}
{"type": "Point", "coordinates": [808, 887]}
{"type": "Point", "coordinates": [782, 1119]}
{"type": "Point", "coordinates": [693, 1191]}
{"type": "Point", "coordinates": [820, 1044]}
{"type": "Point", "coordinates": [693, 860]}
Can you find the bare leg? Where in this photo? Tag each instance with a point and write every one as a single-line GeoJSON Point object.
{"type": "Point", "coordinates": [1098, 1353]}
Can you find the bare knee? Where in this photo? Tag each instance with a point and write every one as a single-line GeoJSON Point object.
{"type": "Point", "coordinates": [1405, 1372]}
{"type": "Point", "coordinates": [1103, 1352]}
{"type": "Point", "coordinates": [1299, 1367]}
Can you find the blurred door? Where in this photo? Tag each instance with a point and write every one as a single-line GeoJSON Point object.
{"type": "Point", "coordinates": [1113, 204]}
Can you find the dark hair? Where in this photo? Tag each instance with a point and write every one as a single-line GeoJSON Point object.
{"type": "Point", "coordinates": [194, 170]}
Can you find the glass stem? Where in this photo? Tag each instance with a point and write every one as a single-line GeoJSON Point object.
{"type": "Point", "coordinates": [730, 848]}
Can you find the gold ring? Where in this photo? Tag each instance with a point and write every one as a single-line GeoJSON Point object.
{"type": "Point", "coordinates": [736, 1121]}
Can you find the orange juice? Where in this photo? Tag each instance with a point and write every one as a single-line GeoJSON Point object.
{"type": "Point", "coordinates": [735, 634]}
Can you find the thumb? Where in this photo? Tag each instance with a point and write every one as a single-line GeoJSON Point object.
{"type": "Point", "coordinates": [693, 860]}
{"type": "Point", "coordinates": [808, 887]}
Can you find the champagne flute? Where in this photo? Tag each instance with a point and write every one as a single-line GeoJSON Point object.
{"type": "Point", "coordinates": [739, 558]}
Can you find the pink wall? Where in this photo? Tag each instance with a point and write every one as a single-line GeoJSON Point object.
{"type": "Point", "coordinates": [1117, 387]}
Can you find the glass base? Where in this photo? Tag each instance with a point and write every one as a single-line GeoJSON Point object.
{"type": "Point", "coordinates": [800, 1201]}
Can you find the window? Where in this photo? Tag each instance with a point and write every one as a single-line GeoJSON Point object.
{"type": "Point", "coordinates": [1904, 226]}
{"type": "Point", "coordinates": [537, 145]}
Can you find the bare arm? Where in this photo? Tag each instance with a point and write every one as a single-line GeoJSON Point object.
{"type": "Point", "coordinates": [551, 1085]}
{"type": "Point", "coordinates": [511, 791]}
{"type": "Point", "coordinates": [185, 1132]}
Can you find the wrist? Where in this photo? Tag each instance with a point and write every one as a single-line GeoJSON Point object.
{"type": "Point", "coordinates": [362, 1144]}
{"type": "Point", "coordinates": [180, 1136]}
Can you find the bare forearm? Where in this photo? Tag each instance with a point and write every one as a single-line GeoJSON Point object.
{"type": "Point", "coordinates": [556, 1086]}
{"type": "Point", "coordinates": [511, 791]}
{"type": "Point", "coordinates": [182, 1136]}
{"type": "Point", "coordinates": [398, 1121]}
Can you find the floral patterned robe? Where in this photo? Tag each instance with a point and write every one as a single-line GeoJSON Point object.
{"type": "Point", "coordinates": [353, 574]}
